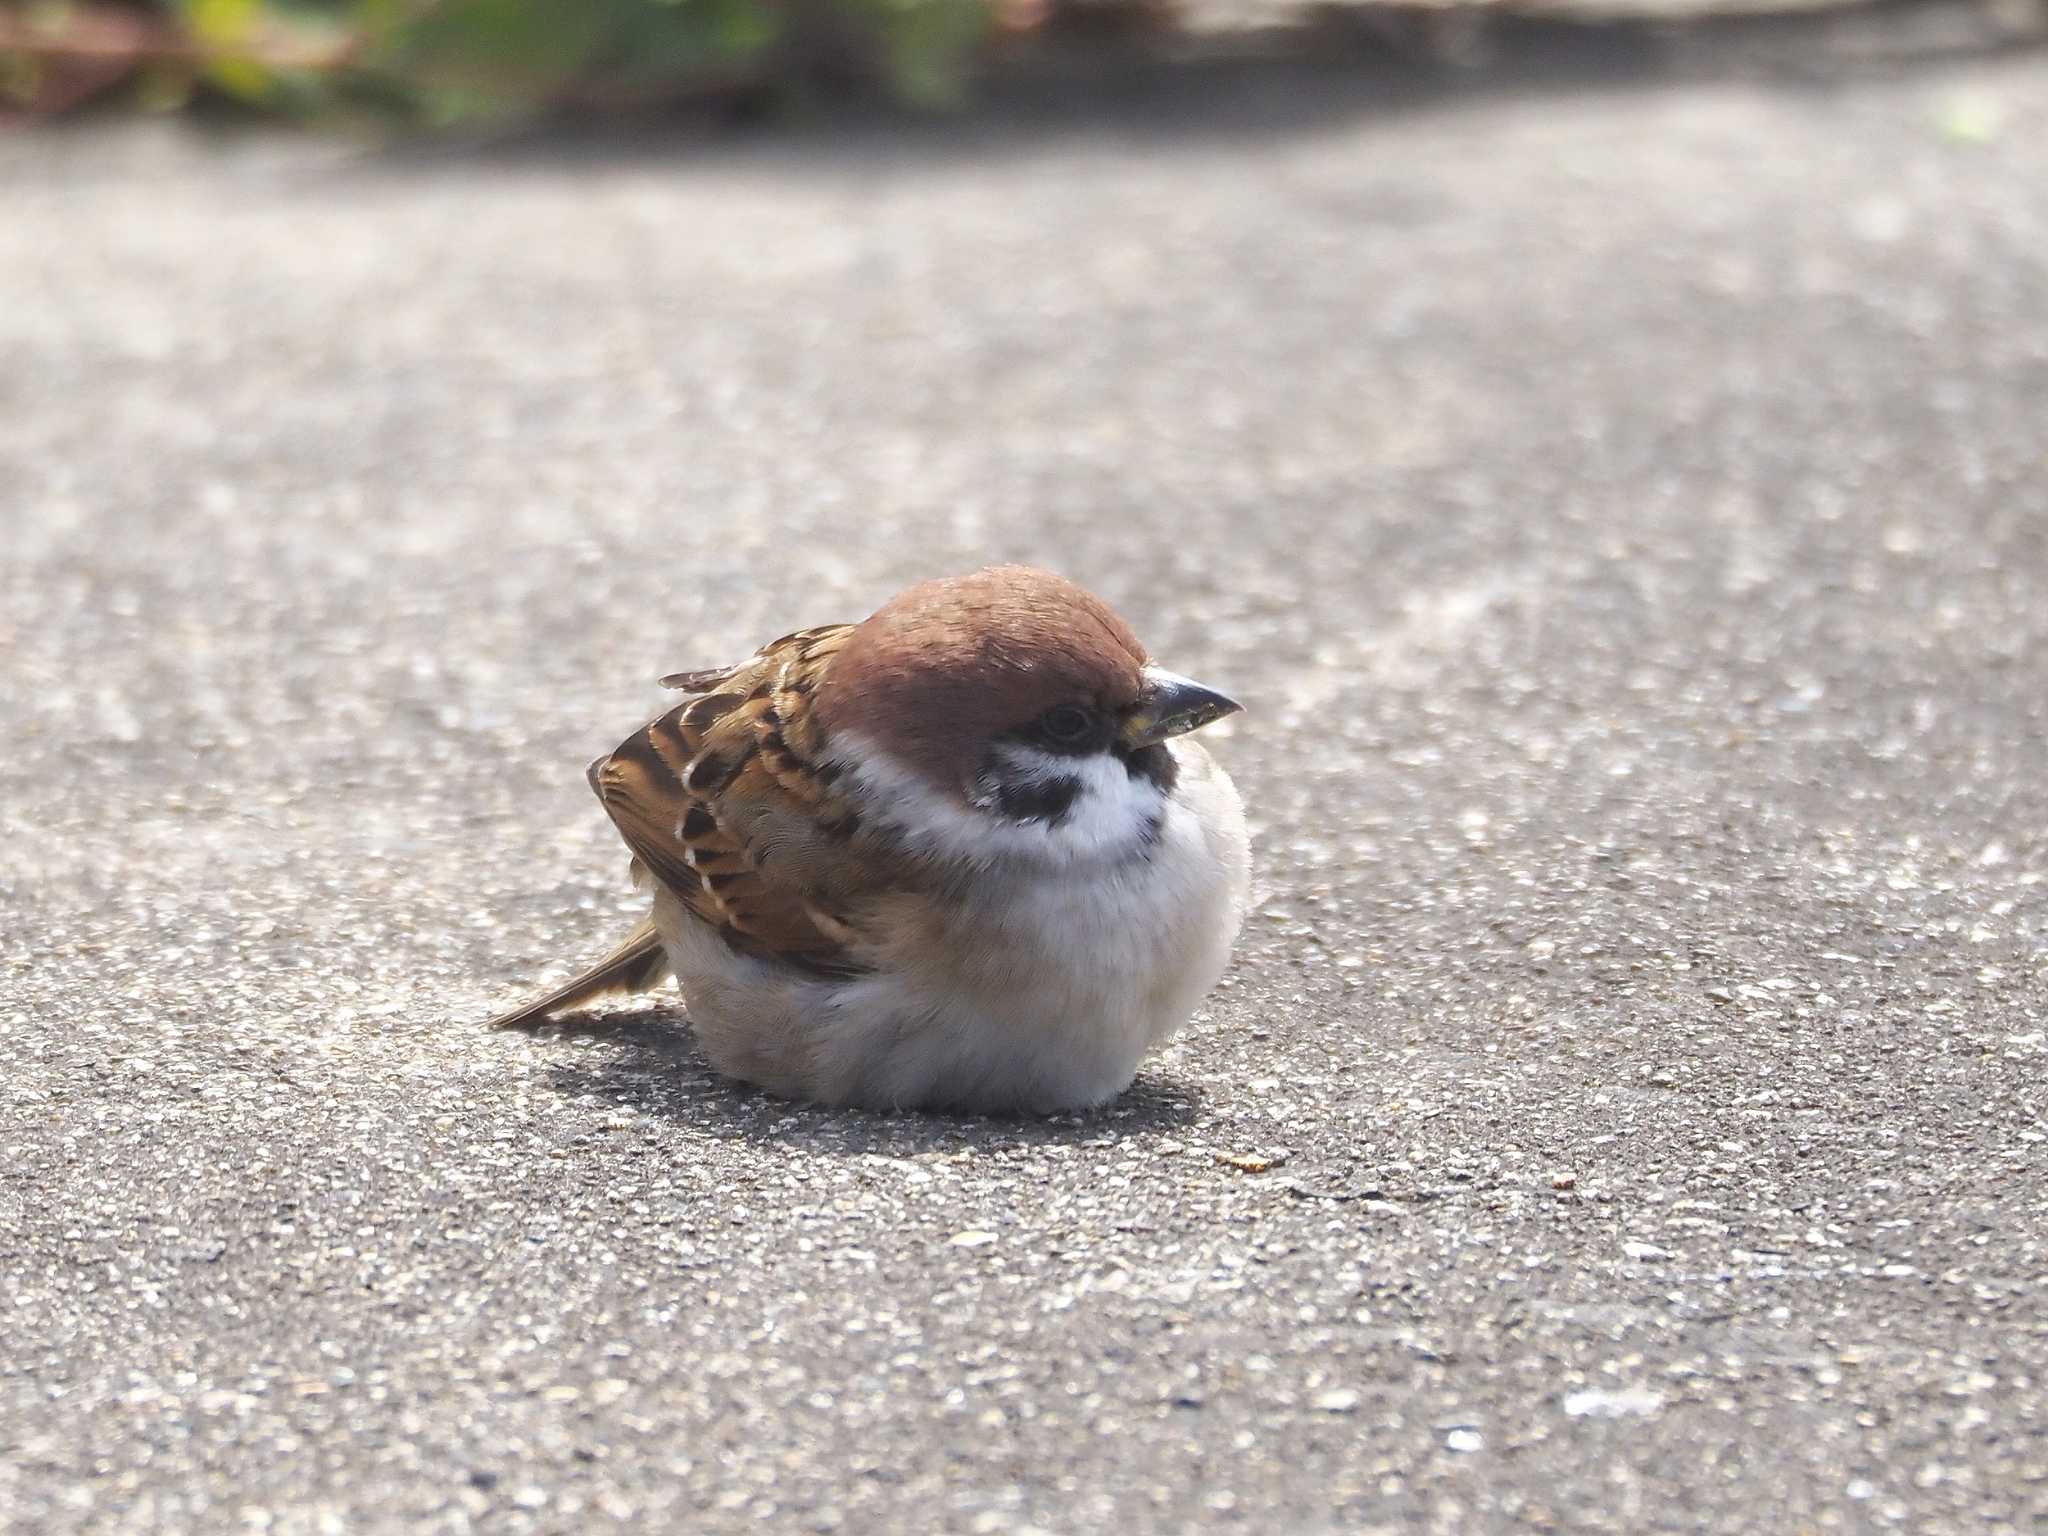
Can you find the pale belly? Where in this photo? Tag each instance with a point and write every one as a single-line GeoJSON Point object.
{"type": "Point", "coordinates": [1032, 994]}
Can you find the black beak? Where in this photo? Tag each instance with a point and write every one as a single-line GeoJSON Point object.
{"type": "Point", "coordinates": [1172, 705]}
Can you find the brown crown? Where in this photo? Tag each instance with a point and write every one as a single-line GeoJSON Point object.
{"type": "Point", "coordinates": [946, 666]}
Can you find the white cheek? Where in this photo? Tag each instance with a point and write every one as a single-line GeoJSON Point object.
{"type": "Point", "coordinates": [1108, 820]}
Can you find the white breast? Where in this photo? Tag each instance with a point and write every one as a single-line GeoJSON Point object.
{"type": "Point", "coordinates": [1064, 957]}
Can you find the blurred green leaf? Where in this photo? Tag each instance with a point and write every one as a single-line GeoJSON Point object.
{"type": "Point", "coordinates": [928, 45]}
{"type": "Point", "coordinates": [660, 46]}
{"type": "Point", "coordinates": [471, 58]}
{"type": "Point", "coordinates": [223, 23]}
{"type": "Point", "coordinates": [164, 88]}
{"type": "Point", "coordinates": [229, 29]}
{"type": "Point", "coordinates": [441, 62]}
{"type": "Point", "coordinates": [21, 79]}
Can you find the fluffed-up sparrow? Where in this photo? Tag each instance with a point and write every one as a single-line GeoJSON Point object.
{"type": "Point", "coordinates": [958, 856]}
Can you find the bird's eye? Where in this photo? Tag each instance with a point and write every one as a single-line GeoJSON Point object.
{"type": "Point", "coordinates": [1066, 724]}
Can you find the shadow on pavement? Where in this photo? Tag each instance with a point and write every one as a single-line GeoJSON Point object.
{"type": "Point", "coordinates": [655, 1068]}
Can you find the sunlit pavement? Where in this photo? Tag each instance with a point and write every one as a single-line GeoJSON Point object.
{"type": "Point", "coordinates": [1624, 510]}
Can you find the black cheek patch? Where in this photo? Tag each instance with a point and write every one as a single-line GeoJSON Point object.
{"type": "Point", "coordinates": [1047, 800]}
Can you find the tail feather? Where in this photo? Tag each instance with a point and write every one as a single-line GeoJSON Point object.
{"type": "Point", "coordinates": [636, 965]}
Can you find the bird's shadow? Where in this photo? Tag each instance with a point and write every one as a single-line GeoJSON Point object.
{"type": "Point", "coordinates": [654, 1067]}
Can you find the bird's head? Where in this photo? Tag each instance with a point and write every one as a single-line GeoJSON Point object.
{"type": "Point", "coordinates": [1011, 712]}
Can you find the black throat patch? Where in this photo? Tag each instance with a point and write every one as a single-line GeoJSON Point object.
{"type": "Point", "coordinates": [1153, 762]}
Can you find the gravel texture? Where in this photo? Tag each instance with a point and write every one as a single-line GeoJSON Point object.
{"type": "Point", "coordinates": [1626, 512]}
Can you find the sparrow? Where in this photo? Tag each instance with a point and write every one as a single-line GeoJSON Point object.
{"type": "Point", "coordinates": [960, 856]}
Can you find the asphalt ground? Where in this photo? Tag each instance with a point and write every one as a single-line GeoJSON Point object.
{"type": "Point", "coordinates": [1625, 511]}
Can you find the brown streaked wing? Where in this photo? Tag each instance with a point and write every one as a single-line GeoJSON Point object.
{"type": "Point", "coordinates": [699, 682]}
{"type": "Point", "coordinates": [804, 645]}
{"type": "Point", "coordinates": [720, 802]}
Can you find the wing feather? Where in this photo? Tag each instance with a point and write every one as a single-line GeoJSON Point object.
{"type": "Point", "coordinates": [721, 801]}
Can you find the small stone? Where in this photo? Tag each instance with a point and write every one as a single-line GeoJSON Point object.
{"type": "Point", "coordinates": [1252, 1162]}
{"type": "Point", "coordinates": [1641, 1250]}
{"type": "Point", "coordinates": [1605, 1403]}
{"type": "Point", "coordinates": [1465, 1441]}
{"type": "Point", "coordinates": [1562, 1181]}
{"type": "Point", "coordinates": [973, 1238]}
{"type": "Point", "coordinates": [1337, 1400]}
